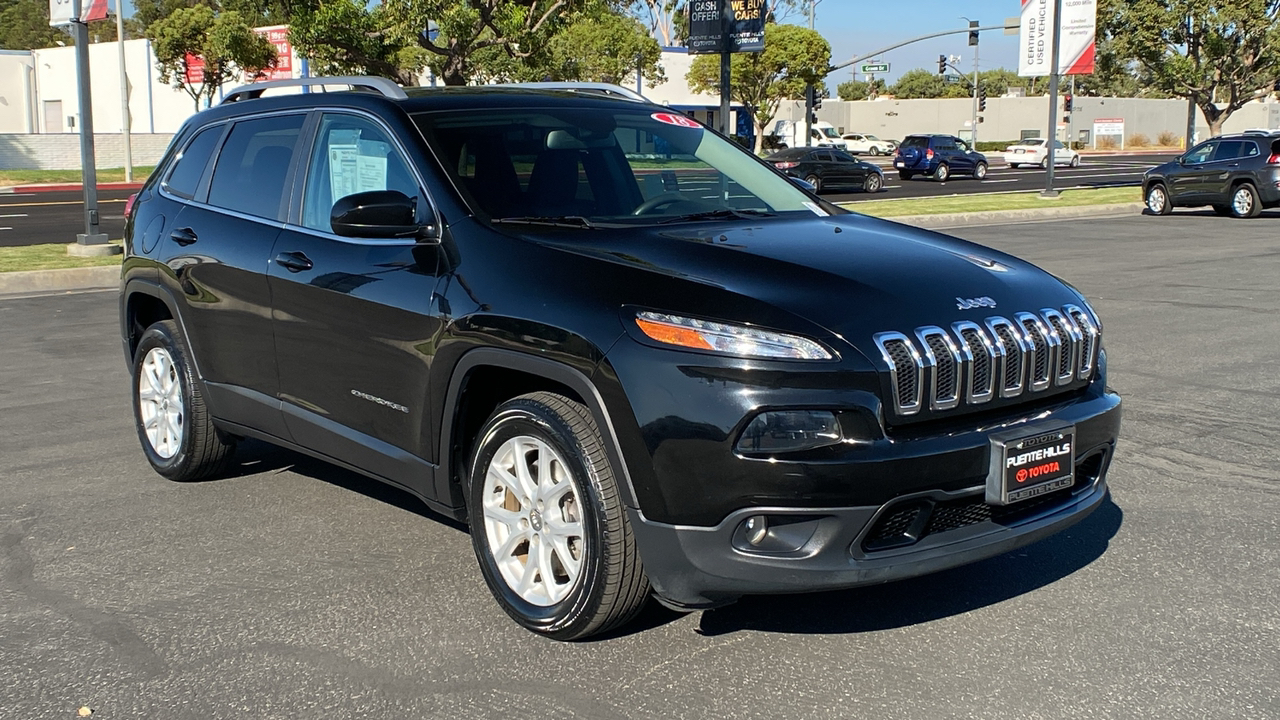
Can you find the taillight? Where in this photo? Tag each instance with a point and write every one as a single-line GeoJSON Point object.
{"type": "Point", "coordinates": [1274, 159]}
{"type": "Point", "coordinates": [128, 205]}
{"type": "Point", "coordinates": [785, 165]}
{"type": "Point", "coordinates": [928, 154]}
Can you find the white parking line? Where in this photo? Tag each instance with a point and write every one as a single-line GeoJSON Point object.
{"type": "Point", "coordinates": [14, 215]}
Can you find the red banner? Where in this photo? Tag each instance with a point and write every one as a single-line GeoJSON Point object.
{"type": "Point", "coordinates": [95, 10]}
{"type": "Point", "coordinates": [195, 70]}
{"type": "Point", "coordinates": [277, 35]}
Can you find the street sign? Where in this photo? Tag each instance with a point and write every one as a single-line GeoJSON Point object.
{"type": "Point", "coordinates": [951, 79]}
{"type": "Point", "coordinates": [873, 68]}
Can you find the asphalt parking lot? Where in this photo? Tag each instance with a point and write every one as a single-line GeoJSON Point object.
{"type": "Point", "coordinates": [294, 589]}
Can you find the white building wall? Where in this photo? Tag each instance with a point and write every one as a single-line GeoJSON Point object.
{"type": "Point", "coordinates": [17, 92]}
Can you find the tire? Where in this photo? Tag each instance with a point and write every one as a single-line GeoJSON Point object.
{"type": "Point", "coordinates": [873, 184]}
{"type": "Point", "coordinates": [1044, 164]}
{"type": "Point", "coordinates": [1015, 166]}
{"type": "Point", "coordinates": [1157, 199]}
{"type": "Point", "coordinates": [942, 173]}
{"type": "Point", "coordinates": [904, 175]}
{"type": "Point", "coordinates": [608, 587]}
{"type": "Point", "coordinates": [1075, 161]}
{"type": "Point", "coordinates": [1245, 202]}
{"type": "Point", "coordinates": [181, 444]}
{"type": "Point", "coordinates": [875, 151]}
{"type": "Point", "coordinates": [816, 182]}
{"type": "Point", "coordinates": [980, 171]}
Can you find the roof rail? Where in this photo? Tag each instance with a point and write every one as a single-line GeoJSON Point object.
{"type": "Point", "coordinates": [379, 85]}
{"type": "Point", "coordinates": [591, 88]}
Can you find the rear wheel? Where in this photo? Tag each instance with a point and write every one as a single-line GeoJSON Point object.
{"type": "Point", "coordinates": [547, 522]}
{"type": "Point", "coordinates": [177, 433]}
{"type": "Point", "coordinates": [1075, 161]}
{"type": "Point", "coordinates": [1158, 200]}
{"type": "Point", "coordinates": [815, 181]}
{"type": "Point", "coordinates": [1245, 202]}
{"type": "Point", "coordinates": [942, 173]}
{"type": "Point", "coordinates": [873, 183]}
{"type": "Point", "coordinates": [980, 172]}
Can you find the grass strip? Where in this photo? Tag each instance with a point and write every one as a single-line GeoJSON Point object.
{"type": "Point", "coordinates": [48, 257]}
{"type": "Point", "coordinates": [36, 177]}
{"type": "Point", "coordinates": [991, 202]}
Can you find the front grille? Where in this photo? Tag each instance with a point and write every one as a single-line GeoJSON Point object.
{"type": "Point", "coordinates": [972, 363]}
{"type": "Point", "coordinates": [913, 520]}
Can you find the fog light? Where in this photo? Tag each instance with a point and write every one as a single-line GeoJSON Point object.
{"type": "Point", "coordinates": [757, 527]}
{"type": "Point", "coordinates": [790, 431]}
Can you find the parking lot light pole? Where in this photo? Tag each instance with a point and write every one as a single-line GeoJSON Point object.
{"type": "Point", "coordinates": [92, 241]}
{"type": "Point", "coordinates": [1049, 192]}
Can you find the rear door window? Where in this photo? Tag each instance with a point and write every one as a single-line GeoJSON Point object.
{"type": "Point", "coordinates": [254, 164]}
{"type": "Point", "coordinates": [1229, 150]}
{"type": "Point", "coordinates": [188, 168]}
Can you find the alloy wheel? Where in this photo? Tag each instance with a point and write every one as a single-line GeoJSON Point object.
{"type": "Point", "coordinates": [1157, 199]}
{"type": "Point", "coordinates": [160, 403]}
{"type": "Point", "coordinates": [533, 520]}
{"type": "Point", "coordinates": [1242, 202]}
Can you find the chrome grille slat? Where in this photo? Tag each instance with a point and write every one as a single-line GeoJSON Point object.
{"type": "Point", "coordinates": [972, 363]}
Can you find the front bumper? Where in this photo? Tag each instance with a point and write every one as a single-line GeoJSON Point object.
{"type": "Point", "coordinates": [836, 548]}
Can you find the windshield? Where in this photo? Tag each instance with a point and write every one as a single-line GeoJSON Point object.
{"type": "Point", "coordinates": [872, 137]}
{"type": "Point", "coordinates": [602, 165]}
{"type": "Point", "coordinates": [830, 132]}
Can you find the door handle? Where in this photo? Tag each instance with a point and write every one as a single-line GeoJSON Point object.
{"type": "Point", "coordinates": [294, 261]}
{"type": "Point", "coordinates": [183, 236]}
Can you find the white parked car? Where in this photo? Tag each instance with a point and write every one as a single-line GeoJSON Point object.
{"type": "Point", "coordinates": [1036, 152]}
{"type": "Point", "coordinates": [859, 143]}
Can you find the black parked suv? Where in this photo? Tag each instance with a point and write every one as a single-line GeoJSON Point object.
{"type": "Point", "coordinates": [1237, 175]}
{"type": "Point", "coordinates": [633, 357]}
{"type": "Point", "coordinates": [827, 168]}
{"type": "Point", "coordinates": [940, 157]}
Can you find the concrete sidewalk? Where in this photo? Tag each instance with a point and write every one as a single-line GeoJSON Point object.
{"type": "Point", "coordinates": [67, 187]}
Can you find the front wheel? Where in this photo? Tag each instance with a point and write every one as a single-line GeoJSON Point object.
{"type": "Point", "coordinates": [1075, 161]}
{"type": "Point", "coordinates": [1245, 202]}
{"type": "Point", "coordinates": [177, 433]}
{"type": "Point", "coordinates": [1158, 200]}
{"type": "Point", "coordinates": [875, 151]}
{"type": "Point", "coordinates": [942, 173]}
{"type": "Point", "coordinates": [873, 183]}
{"type": "Point", "coordinates": [547, 522]}
{"type": "Point", "coordinates": [980, 172]}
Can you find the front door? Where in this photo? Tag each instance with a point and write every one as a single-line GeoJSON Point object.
{"type": "Point", "coordinates": [1187, 182]}
{"type": "Point", "coordinates": [354, 326]}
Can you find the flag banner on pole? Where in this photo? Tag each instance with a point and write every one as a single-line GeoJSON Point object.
{"type": "Point", "coordinates": [96, 10]}
{"type": "Point", "coordinates": [61, 11]}
{"type": "Point", "coordinates": [1079, 38]}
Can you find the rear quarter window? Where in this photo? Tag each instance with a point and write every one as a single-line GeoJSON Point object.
{"type": "Point", "coordinates": [188, 167]}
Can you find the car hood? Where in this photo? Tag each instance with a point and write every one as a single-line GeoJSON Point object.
{"type": "Point", "coordinates": [851, 275]}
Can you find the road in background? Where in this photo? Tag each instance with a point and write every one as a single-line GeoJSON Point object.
{"type": "Point", "coordinates": [296, 589]}
{"type": "Point", "coordinates": [1095, 171]}
{"type": "Point", "coordinates": [56, 217]}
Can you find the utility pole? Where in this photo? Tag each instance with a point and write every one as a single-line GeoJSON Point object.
{"type": "Point", "coordinates": [92, 241]}
{"type": "Point", "coordinates": [726, 69]}
{"type": "Point", "coordinates": [1049, 192]}
{"type": "Point", "coordinates": [125, 120]}
{"type": "Point", "coordinates": [810, 91]}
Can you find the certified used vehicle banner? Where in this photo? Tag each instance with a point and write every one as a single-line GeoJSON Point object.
{"type": "Point", "coordinates": [1079, 35]}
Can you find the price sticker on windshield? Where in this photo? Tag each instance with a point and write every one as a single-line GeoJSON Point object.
{"type": "Point", "coordinates": [676, 119]}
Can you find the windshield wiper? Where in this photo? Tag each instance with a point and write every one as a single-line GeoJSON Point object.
{"type": "Point", "coordinates": [721, 214]}
{"type": "Point", "coordinates": [573, 221]}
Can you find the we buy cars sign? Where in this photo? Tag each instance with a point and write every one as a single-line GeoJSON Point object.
{"type": "Point", "coordinates": [277, 35]}
{"type": "Point", "coordinates": [1079, 38]}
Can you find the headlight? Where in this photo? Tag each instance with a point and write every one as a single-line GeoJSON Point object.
{"type": "Point", "coordinates": [728, 339]}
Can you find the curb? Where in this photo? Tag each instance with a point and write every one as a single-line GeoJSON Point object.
{"type": "Point", "coordinates": [1000, 217]}
{"type": "Point", "coordinates": [37, 281]}
{"type": "Point", "coordinates": [67, 187]}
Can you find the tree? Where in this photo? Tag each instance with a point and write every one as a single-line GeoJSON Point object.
{"type": "Point", "coordinates": [605, 46]}
{"type": "Point", "coordinates": [792, 57]}
{"type": "Point", "coordinates": [224, 41]}
{"type": "Point", "coordinates": [1217, 53]}
{"type": "Point", "coordinates": [24, 25]}
{"type": "Point", "coordinates": [919, 83]}
{"type": "Point", "coordinates": [348, 37]}
{"type": "Point", "coordinates": [859, 89]}
{"type": "Point", "coordinates": [519, 28]}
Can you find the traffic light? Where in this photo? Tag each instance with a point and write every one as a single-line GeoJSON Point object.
{"type": "Point", "coordinates": [817, 100]}
{"type": "Point", "coordinates": [1067, 101]}
{"type": "Point", "coordinates": [942, 64]}
{"type": "Point", "coordinates": [982, 99]}
{"type": "Point", "coordinates": [973, 33]}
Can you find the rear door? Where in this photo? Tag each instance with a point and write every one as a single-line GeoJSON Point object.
{"type": "Point", "coordinates": [1224, 168]}
{"type": "Point", "coordinates": [354, 322]}
{"type": "Point", "coordinates": [217, 251]}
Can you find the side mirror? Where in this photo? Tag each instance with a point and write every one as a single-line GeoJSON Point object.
{"type": "Point", "coordinates": [1182, 159]}
{"type": "Point", "coordinates": [378, 214]}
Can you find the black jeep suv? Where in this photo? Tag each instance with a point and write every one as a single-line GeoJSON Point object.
{"type": "Point", "coordinates": [633, 357]}
{"type": "Point", "coordinates": [1237, 175]}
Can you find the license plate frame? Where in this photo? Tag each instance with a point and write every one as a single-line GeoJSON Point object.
{"type": "Point", "coordinates": [1030, 462]}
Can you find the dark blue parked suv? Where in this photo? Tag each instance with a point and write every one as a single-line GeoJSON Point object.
{"type": "Point", "coordinates": [939, 157]}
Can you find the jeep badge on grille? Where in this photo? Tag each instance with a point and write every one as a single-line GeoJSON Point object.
{"type": "Point", "coordinates": [972, 303]}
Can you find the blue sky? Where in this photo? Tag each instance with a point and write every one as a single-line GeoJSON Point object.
{"type": "Point", "coordinates": [854, 27]}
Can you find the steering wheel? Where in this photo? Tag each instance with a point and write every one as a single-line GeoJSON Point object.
{"type": "Point", "coordinates": [657, 201]}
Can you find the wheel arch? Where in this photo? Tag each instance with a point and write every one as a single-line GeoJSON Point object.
{"type": "Point", "coordinates": [144, 303]}
{"type": "Point", "coordinates": [484, 378]}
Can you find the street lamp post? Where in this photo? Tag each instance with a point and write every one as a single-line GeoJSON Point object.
{"type": "Point", "coordinates": [1049, 192]}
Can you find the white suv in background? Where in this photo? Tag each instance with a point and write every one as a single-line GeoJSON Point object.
{"type": "Point", "coordinates": [859, 143]}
